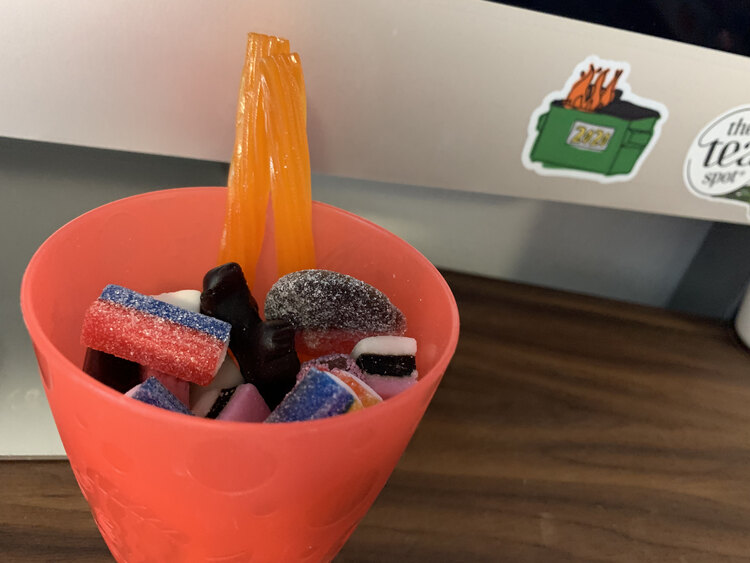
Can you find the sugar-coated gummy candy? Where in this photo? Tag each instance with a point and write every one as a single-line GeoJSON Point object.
{"type": "Point", "coordinates": [246, 405]}
{"type": "Point", "coordinates": [330, 362]}
{"type": "Point", "coordinates": [152, 392]}
{"type": "Point", "coordinates": [264, 351]}
{"type": "Point", "coordinates": [331, 311]}
{"type": "Point", "coordinates": [323, 299]}
{"type": "Point", "coordinates": [319, 395]}
{"type": "Point", "coordinates": [117, 373]}
{"type": "Point", "coordinates": [156, 334]}
{"type": "Point", "coordinates": [311, 343]}
{"type": "Point", "coordinates": [366, 394]}
{"type": "Point", "coordinates": [178, 387]}
{"type": "Point", "coordinates": [190, 300]}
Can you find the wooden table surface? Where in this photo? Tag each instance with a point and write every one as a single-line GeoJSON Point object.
{"type": "Point", "coordinates": [567, 428]}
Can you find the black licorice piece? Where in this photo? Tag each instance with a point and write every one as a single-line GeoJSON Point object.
{"type": "Point", "coordinates": [119, 374]}
{"type": "Point", "coordinates": [226, 296]}
{"type": "Point", "coordinates": [276, 362]}
{"type": "Point", "coordinates": [264, 350]}
{"type": "Point", "coordinates": [398, 366]}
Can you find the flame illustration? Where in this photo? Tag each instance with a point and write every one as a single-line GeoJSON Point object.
{"type": "Point", "coordinates": [589, 93]}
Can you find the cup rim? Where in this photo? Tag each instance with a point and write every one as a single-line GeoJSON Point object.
{"type": "Point", "coordinates": [42, 341]}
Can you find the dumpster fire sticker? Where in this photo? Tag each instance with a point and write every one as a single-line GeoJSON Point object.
{"type": "Point", "coordinates": [595, 128]}
{"type": "Point", "coordinates": [717, 166]}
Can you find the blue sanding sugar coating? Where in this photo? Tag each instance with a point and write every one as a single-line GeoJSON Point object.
{"type": "Point", "coordinates": [132, 299]}
{"type": "Point", "coordinates": [152, 392]}
{"type": "Point", "coordinates": [318, 395]}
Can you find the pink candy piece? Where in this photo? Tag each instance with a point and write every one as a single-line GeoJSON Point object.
{"type": "Point", "coordinates": [246, 405]}
{"type": "Point", "coordinates": [388, 386]}
{"type": "Point", "coordinates": [178, 387]}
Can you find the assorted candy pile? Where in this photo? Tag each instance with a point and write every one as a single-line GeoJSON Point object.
{"type": "Point", "coordinates": [171, 350]}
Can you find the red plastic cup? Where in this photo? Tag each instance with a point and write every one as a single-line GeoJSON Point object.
{"type": "Point", "coordinates": [169, 487]}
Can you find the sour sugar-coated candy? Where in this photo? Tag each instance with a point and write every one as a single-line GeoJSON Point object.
{"type": "Point", "coordinates": [117, 373]}
{"type": "Point", "coordinates": [366, 394]}
{"type": "Point", "coordinates": [387, 362]}
{"type": "Point", "coordinates": [323, 299]}
{"type": "Point", "coordinates": [264, 350]}
{"type": "Point", "coordinates": [152, 392]}
{"type": "Point", "coordinates": [169, 339]}
{"type": "Point", "coordinates": [329, 362]}
{"type": "Point", "coordinates": [178, 387]}
{"type": "Point", "coordinates": [190, 300]}
{"type": "Point", "coordinates": [319, 395]}
{"type": "Point", "coordinates": [246, 405]}
{"type": "Point", "coordinates": [331, 311]}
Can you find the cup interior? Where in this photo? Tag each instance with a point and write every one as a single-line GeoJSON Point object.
{"type": "Point", "coordinates": [167, 240]}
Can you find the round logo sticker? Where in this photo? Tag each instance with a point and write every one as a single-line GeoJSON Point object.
{"type": "Point", "coordinates": [718, 161]}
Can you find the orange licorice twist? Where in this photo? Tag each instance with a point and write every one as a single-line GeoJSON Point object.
{"type": "Point", "coordinates": [249, 183]}
{"type": "Point", "coordinates": [283, 85]}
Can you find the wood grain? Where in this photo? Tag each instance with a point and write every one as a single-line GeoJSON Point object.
{"type": "Point", "coordinates": [567, 428]}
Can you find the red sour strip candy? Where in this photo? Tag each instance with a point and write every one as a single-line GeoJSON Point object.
{"type": "Point", "coordinates": [153, 341]}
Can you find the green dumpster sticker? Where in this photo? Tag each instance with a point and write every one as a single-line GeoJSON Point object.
{"type": "Point", "coordinates": [717, 166]}
{"type": "Point", "coordinates": [595, 128]}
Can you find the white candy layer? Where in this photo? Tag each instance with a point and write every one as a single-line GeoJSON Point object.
{"type": "Point", "coordinates": [385, 346]}
{"type": "Point", "coordinates": [204, 403]}
{"type": "Point", "coordinates": [229, 375]}
{"type": "Point", "coordinates": [189, 299]}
